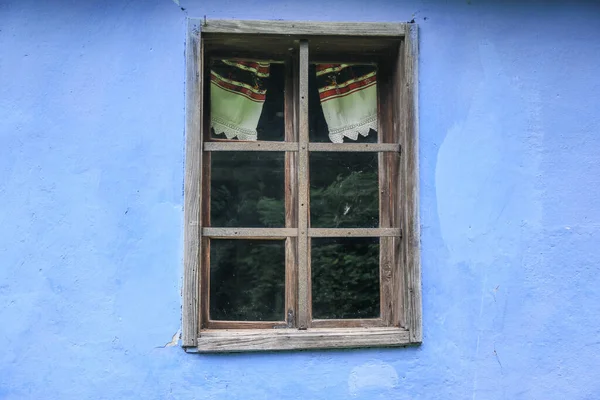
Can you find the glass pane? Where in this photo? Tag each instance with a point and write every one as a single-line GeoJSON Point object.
{"type": "Point", "coordinates": [342, 103]}
{"type": "Point", "coordinates": [345, 278]}
{"type": "Point", "coordinates": [247, 280]}
{"type": "Point", "coordinates": [344, 190]}
{"type": "Point", "coordinates": [247, 189]}
{"type": "Point", "coordinates": [247, 100]}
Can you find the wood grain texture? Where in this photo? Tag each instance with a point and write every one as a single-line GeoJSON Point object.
{"type": "Point", "coordinates": [387, 273]}
{"type": "Point", "coordinates": [244, 324]}
{"type": "Point", "coordinates": [203, 303]}
{"type": "Point", "coordinates": [248, 233]}
{"type": "Point", "coordinates": [204, 282]}
{"type": "Point", "coordinates": [275, 48]}
{"type": "Point", "coordinates": [291, 191]}
{"type": "Point", "coordinates": [250, 146]}
{"type": "Point", "coordinates": [215, 341]}
{"type": "Point", "coordinates": [304, 28]}
{"type": "Point", "coordinates": [303, 314]}
{"type": "Point", "coordinates": [354, 147]}
{"type": "Point", "coordinates": [348, 323]}
{"type": "Point", "coordinates": [409, 183]}
{"type": "Point", "coordinates": [387, 268]}
{"type": "Point", "coordinates": [192, 184]}
{"type": "Point", "coordinates": [394, 274]}
{"type": "Point", "coordinates": [354, 232]}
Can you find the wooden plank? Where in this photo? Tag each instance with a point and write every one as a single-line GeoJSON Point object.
{"type": "Point", "coordinates": [204, 303]}
{"type": "Point", "coordinates": [394, 276]}
{"type": "Point", "coordinates": [191, 209]}
{"type": "Point", "coordinates": [348, 323]}
{"type": "Point", "coordinates": [304, 28]}
{"type": "Point", "coordinates": [244, 324]}
{"type": "Point", "coordinates": [215, 341]}
{"type": "Point", "coordinates": [204, 306]}
{"type": "Point", "coordinates": [387, 203]}
{"type": "Point", "coordinates": [304, 308]}
{"type": "Point", "coordinates": [291, 191]}
{"type": "Point", "coordinates": [354, 232]}
{"type": "Point", "coordinates": [397, 315]}
{"type": "Point", "coordinates": [250, 146]}
{"type": "Point", "coordinates": [355, 147]}
{"type": "Point", "coordinates": [247, 233]}
{"type": "Point", "coordinates": [387, 274]}
{"type": "Point", "coordinates": [409, 183]}
{"type": "Point", "coordinates": [323, 48]}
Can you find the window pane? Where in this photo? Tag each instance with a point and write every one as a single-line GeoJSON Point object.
{"type": "Point", "coordinates": [345, 278]}
{"type": "Point", "coordinates": [247, 100]}
{"type": "Point", "coordinates": [247, 280]}
{"type": "Point", "coordinates": [344, 190]}
{"type": "Point", "coordinates": [247, 189]}
{"type": "Point", "coordinates": [342, 103]}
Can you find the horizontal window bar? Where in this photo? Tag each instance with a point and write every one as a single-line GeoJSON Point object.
{"type": "Point", "coordinates": [244, 324]}
{"type": "Point", "coordinates": [354, 232]}
{"type": "Point", "coordinates": [347, 323]}
{"type": "Point", "coordinates": [293, 146]}
{"type": "Point", "coordinates": [250, 146]}
{"type": "Point", "coordinates": [250, 233]}
{"type": "Point", "coordinates": [380, 147]}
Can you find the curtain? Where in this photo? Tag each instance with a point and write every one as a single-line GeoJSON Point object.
{"type": "Point", "coordinates": [348, 95]}
{"type": "Point", "coordinates": [349, 99]}
{"type": "Point", "coordinates": [237, 96]}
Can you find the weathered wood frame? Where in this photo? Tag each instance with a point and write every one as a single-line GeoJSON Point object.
{"type": "Point", "coordinates": [400, 320]}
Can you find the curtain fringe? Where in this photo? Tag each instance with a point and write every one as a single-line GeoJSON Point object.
{"type": "Point", "coordinates": [231, 132]}
{"type": "Point", "coordinates": [352, 131]}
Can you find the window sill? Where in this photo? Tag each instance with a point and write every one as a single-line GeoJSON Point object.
{"type": "Point", "coordinates": [225, 340]}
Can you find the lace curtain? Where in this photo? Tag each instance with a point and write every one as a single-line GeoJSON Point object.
{"type": "Point", "coordinates": [348, 95]}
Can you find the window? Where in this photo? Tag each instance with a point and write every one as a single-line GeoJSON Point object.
{"type": "Point", "coordinates": [301, 208]}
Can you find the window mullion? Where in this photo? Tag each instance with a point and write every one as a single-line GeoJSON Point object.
{"type": "Point", "coordinates": [291, 192]}
{"type": "Point", "coordinates": [304, 307]}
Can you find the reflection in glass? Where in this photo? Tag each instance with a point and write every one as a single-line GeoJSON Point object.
{"type": "Point", "coordinates": [247, 189]}
{"type": "Point", "coordinates": [343, 99]}
{"type": "Point", "coordinates": [344, 190]}
{"type": "Point", "coordinates": [345, 278]}
{"type": "Point", "coordinates": [247, 280]}
{"type": "Point", "coordinates": [247, 100]}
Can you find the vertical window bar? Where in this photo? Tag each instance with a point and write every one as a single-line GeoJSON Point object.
{"type": "Point", "coordinates": [303, 315]}
{"type": "Point", "coordinates": [205, 196]}
{"type": "Point", "coordinates": [291, 192]}
{"type": "Point", "coordinates": [387, 200]}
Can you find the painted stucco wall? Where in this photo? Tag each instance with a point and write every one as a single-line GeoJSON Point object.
{"type": "Point", "coordinates": [91, 178]}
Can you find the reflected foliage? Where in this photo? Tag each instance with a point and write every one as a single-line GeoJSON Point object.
{"type": "Point", "coordinates": [247, 280]}
{"type": "Point", "coordinates": [248, 276]}
{"type": "Point", "coordinates": [345, 278]}
{"type": "Point", "coordinates": [247, 189]}
{"type": "Point", "coordinates": [343, 190]}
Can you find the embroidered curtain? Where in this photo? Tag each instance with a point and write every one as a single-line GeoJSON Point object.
{"type": "Point", "coordinates": [349, 99]}
{"type": "Point", "coordinates": [237, 96]}
{"type": "Point", "coordinates": [348, 95]}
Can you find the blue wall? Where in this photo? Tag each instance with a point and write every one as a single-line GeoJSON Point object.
{"type": "Point", "coordinates": [91, 179]}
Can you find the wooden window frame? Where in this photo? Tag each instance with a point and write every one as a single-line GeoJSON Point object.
{"type": "Point", "coordinates": [397, 148]}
